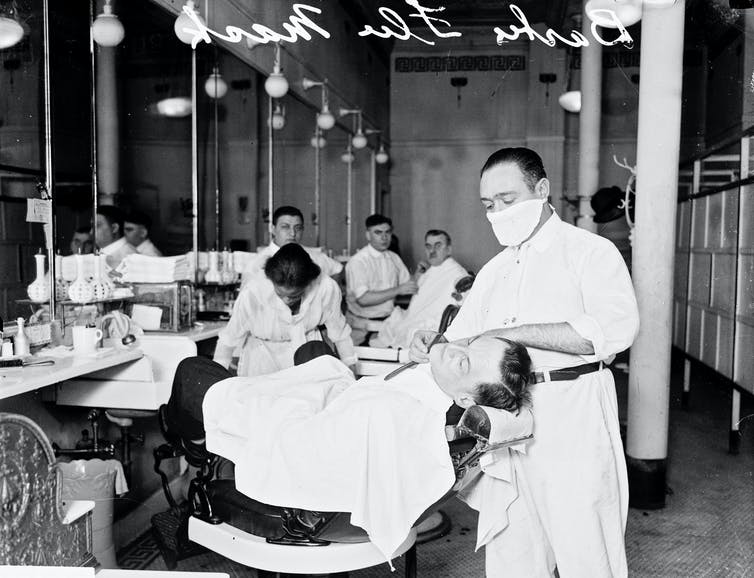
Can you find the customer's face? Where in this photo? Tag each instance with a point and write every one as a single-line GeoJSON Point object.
{"type": "Point", "coordinates": [379, 236]}
{"type": "Point", "coordinates": [105, 232]}
{"type": "Point", "coordinates": [288, 229]}
{"type": "Point", "coordinates": [458, 367]}
{"type": "Point", "coordinates": [134, 234]}
{"type": "Point", "coordinates": [437, 249]}
{"type": "Point", "coordinates": [81, 243]}
{"type": "Point", "coordinates": [503, 186]}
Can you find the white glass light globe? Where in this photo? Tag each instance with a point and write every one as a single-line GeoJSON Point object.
{"type": "Point", "coordinates": [184, 25]}
{"type": "Point", "coordinates": [325, 119]}
{"type": "Point", "coordinates": [347, 157]}
{"type": "Point", "coordinates": [278, 120]}
{"type": "Point", "coordinates": [276, 85]}
{"type": "Point", "coordinates": [215, 86]}
{"type": "Point", "coordinates": [318, 142]}
{"type": "Point", "coordinates": [571, 100]}
{"type": "Point", "coordinates": [359, 140]}
{"type": "Point", "coordinates": [11, 32]}
{"type": "Point", "coordinates": [107, 30]}
{"type": "Point", "coordinates": [627, 11]}
{"type": "Point", "coordinates": [175, 107]}
{"type": "Point", "coordinates": [381, 157]}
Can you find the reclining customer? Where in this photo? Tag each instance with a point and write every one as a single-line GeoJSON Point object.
{"type": "Point", "coordinates": [312, 437]}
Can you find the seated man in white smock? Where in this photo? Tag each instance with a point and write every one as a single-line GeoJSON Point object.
{"type": "Point", "coordinates": [274, 315]}
{"type": "Point", "coordinates": [312, 437]}
{"type": "Point", "coordinates": [435, 292]}
{"type": "Point", "coordinates": [288, 227]}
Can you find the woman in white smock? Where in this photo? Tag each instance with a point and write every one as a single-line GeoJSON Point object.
{"type": "Point", "coordinates": [274, 315]}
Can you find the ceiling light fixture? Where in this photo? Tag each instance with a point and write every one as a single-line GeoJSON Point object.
{"type": "Point", "coordinates": [325, 119]}
{"type": "Point", "coordinates": [107, 29]}
{"type": "Point", "coordinates": [276, 84]}
{"type": "Point", "coordinates": [184, 26]}
{"type": "Point", "coordinates": [215, 85]}
{"type": "Point", "coordinates": [11, 31]}
{"type": "Point", "coordinates": [278, 117]}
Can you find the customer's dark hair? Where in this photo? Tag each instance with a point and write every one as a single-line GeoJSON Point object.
{"type": "Point", "coordinates": [286, 210]}
{"type": "Point", "coordinates": [437, 233]}
{"type": "Point", "coordinates": [529, 162]}
{"type": "Point", "coordinates": [511, 393]}
{"type": "Point", "coordinates": [291, 266]}
{"type": "Point", "coordinates": [112, 215]}
{"type": "Point", "coordinates": [377, 219]}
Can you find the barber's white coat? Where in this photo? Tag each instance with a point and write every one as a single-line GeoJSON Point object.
{"type": "Point", "coordinates": [572, 482]}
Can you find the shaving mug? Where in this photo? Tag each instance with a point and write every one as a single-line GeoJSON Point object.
{"type": "Point", "coordinates": [85, 339]}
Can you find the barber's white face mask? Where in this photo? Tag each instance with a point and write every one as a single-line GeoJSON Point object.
{"type": "Point", "coordinates": [513, 226]}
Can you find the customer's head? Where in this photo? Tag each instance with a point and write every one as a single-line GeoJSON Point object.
{"type": "Point", "coordinates": [287, 225]}
{"type": "Point", "coordinates": [437, 246]}
{"type": "Point", "coordinates": [483, 370]}
{"type": "Point", "coordinates": [81, 242]}
{"type": "Point", "coordinates": [136, 226]}
{"type": "Point", "coordinates": [108, 225]}
{"type": "Point", "coordinates": [291, 271]}
{"type": "Point", "coordinates": [379, 231]}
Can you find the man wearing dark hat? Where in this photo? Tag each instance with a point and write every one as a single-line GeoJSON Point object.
{"type": "Point", "coordinates": [136, 229]}
{"type": "Point", "coordinates": [608, 205]}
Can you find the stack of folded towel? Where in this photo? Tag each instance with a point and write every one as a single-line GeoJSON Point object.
{"type": "Point", "coordinates": [144, 269]}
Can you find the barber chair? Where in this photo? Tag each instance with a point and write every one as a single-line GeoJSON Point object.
{"type": "Point", "coordinates": [276, 539]}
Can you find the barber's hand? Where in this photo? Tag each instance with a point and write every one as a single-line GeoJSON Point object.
{"type": "Point", "coordinates": [419, 350]}
{"type": "Point", "coordinates": [408, 288]}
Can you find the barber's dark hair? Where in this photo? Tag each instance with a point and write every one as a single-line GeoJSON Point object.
{"type": "Point", "coordinates": [377, 219]}
{"type": "Point", "coordinates": [291, 266]}
{"type": "Point", "coordinates": [529, 162]}
{"type": "Point", "coordinates": [437, 233]}
{"type": "Point", "coordinates": [286, 210]}
{"type": "Point", "coordinates": [112, 215]}
{"type": "Point", "coordinates": [511, 393]}
{"type": "Point", "coordinates": [139, 218]}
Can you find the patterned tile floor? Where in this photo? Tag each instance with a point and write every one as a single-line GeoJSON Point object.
{"type": "Point", "coordinates": [705, 530]}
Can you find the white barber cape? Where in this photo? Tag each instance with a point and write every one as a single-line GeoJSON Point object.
{"type": "Point", "coordinates": [572, 481]}
{"type": "Point", "coordinates": [268, 332]}
{"type": "Point", "coordinates": [425, 310]}
{"type": "Point", "coordinates": [255, 268]}
{"type": "Point", "coordinates": [312, 437]}
{"type": "Point", "coordinates": [117, 251]}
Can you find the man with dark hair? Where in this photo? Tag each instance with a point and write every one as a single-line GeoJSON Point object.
{"type": "Point", "coordinates": [436, 284]}
{"type": "Point", "coordinates": [136, 229]}
{"type": "Point", "coordinates": [81, 242]}
{"type": "Point", "coordinates": [108, 235]}
{"type": "Point", "coordinates": [374, 277]}
{"type": "Point", "coordinates": [566, 295]}
{"type": "Point", "coordinates": [288, 227]}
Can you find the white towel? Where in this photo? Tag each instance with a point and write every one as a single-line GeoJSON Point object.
{"type": "Point", "coordinates": [312, 437]}
{"type": "Point", "coordinates": [145, 269]}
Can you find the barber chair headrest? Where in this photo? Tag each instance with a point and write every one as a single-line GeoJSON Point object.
{"type": "Point", "coordinates": [492, 425]}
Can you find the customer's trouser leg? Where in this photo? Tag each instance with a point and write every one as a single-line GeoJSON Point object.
{"type": "Point", "coordinates": [193, 377]}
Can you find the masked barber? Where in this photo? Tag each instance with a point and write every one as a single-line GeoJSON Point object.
{"type": "Point", "coordinates": [566, 295]}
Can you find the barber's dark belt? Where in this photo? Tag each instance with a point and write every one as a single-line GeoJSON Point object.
{"type": "Point", "coordinates": [567, 373]}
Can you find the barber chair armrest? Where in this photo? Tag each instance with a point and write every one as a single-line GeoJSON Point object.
{"type": "Point", "coordinates": [75, 509]}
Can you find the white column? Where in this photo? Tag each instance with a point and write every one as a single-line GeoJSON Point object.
{"type": "Point", "coordinates": [589, 125]}
{"type": "Point", "coordinates": [654, 248]}
{"type": "Point", "coordinates": [108, 132]}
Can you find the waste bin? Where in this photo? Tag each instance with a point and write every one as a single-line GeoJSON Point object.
{"type": "Point", "coordinates": [97, 480]}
